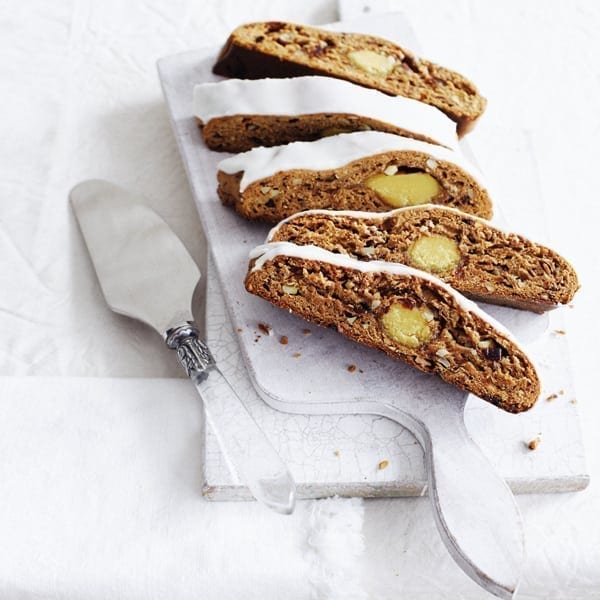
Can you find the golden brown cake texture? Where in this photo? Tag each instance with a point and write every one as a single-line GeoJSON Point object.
{"type": "Point", "coordinates": [469, 254]}
{"type": "Point", "coordinates": [239, 133]}
{"type": "Point", "coordinates": [278, 49]}
{"type": "Point", "coordinates": [373, 183]}
{"type": "Point", "coordinates": [406, 313]}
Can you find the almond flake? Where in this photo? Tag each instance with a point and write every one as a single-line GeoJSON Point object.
{"type": "Point", "coordinates": [428, 315]}
{"type": "Point", "coordinates": [368, 251]}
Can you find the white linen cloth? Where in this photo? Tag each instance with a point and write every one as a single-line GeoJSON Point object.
{"type": "Point", "coordinates": [99, 464]}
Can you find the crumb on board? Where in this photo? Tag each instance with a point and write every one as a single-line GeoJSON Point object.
{"type": "Point", "coordinates": [336, 452]}
{"type": "Point", "coordinates": [383, 464]}
{"type": "Point", "coordinates": [239, 330]}
{"type": "Point", "coordinates": [306, 331]}
{"type": "Point", "coordinates": [351, 368]}
{"type": "Point", "coordinates": [559, 332]}
{"type": "Point", "coordinates": [561, 392]}
{"type": "Point", "coordinates": [283, 340]}
{"type": "Point", "coordinates": [573, 400]}
{"type": "Point", "coordinates": [551, 397]}
{"type": "Point", "coordinates": [534, 443]}
{"type": "Point", "coordinates": [266, 329]}
{"type": "Point", "coordinates": [297, 355]}
{"type": "Point", "coordinates": [360, 371]}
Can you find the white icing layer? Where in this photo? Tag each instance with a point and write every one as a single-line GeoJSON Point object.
{"type": "Point", "coordinates": [315, 94]}
{"type": "Point", "coordinates": [332, 153]}
{"type": "Point", "coordinates": [266, 252]}
{"type": "Point", "coordinates": [381, 216]}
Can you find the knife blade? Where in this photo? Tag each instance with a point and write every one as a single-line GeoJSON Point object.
{"type": "Point", "coordinates": [146, 273]}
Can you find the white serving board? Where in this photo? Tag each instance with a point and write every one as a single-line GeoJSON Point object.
{"type": "Point", "coordinates": [331, 454]}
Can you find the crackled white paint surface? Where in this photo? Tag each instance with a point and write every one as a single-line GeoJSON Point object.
{"type": "Point", "coordinates": [340, 454]}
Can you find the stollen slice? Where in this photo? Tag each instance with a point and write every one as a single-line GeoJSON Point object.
{"type": "Point", "coordinates": [367, 170]}
{"type": "Point", "coordinates": [408, 314]}
{"type": "Point", "coordinates": [479, 260]}
{"type": "Point", "coordinates": [236, 115]}
{"type": "Point", "coordinates": [280, 49]}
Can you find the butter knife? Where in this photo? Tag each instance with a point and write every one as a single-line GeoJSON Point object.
{"type": "Point", "coordinates": [146, 273]}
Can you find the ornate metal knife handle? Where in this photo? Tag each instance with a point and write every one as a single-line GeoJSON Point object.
{"type": "Point", "coordinates": [193, 354]}
{"type": "Point", "coordinates": [241, 439]}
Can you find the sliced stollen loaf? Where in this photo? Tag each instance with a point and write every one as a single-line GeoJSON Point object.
{"type": "Point", "coordinates": [367, 170]}
{"type": "Point", "coordinates": [277, 49]}
{"type": "Point", "coordinates": [406, 313]}
{"type": "Point", "coordinates": [238, 114]}
{"type": "Point", "coordinates": [475, 258]}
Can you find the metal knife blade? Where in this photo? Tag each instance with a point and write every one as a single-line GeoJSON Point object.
{"type": "Point", "coordinates": [144, 270]}
{"type": "Point", "coordinates": [147, 273]}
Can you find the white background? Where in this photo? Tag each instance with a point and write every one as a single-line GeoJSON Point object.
{"type": "Point", "coordinates": [99, 473]}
